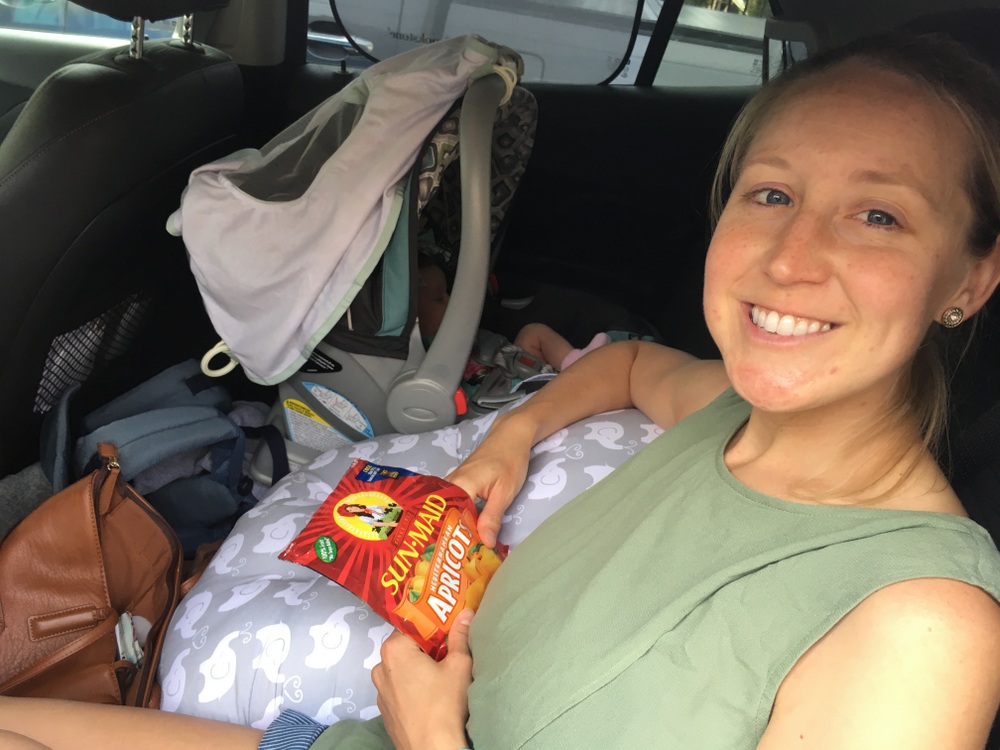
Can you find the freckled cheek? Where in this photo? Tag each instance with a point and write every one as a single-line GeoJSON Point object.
{"type": "Point", "coordinates": [722, 264]}
{"type": "Point", "coordinates": [887, 290]}
{"type": "Point", "coordinates": [728, 243]}
{"type": "Point", "coordinates": [713, 291]}
{"type": "Point", "coordinates": [898, 312]}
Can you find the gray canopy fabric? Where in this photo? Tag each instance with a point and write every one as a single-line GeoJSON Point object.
{"type": "Point", "coordinates": [281, 239]}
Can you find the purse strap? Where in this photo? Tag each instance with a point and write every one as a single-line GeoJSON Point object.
{"type": "Point", "coordinates": [108, 453]}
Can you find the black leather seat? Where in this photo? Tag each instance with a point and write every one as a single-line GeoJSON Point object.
{"type": "Point", "coordinates": [89, 172]}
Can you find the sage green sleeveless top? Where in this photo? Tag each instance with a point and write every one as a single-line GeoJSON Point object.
{"type": "Point", "coordinates": [663, 607]}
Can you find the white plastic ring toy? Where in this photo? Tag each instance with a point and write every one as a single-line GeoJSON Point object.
{"type": "Point", "coordinates": [220, 348]}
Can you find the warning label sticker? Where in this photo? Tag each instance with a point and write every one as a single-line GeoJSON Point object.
{"type": "Point", "coordinates": [342, 408]}
{"type": "Point", "coordinates": [307, 428]}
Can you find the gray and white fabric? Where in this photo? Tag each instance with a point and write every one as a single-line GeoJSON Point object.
{"type": "Point", "coordinates": [257, 634]}
{"type": "Point", "coordinates": [282, 238]}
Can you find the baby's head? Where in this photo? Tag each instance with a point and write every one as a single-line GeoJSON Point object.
{"type": "Point", "coordinates": [432, 298]}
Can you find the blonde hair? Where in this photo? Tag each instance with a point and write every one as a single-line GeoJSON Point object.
{"type": "Point", "coordinates": [970, 88]}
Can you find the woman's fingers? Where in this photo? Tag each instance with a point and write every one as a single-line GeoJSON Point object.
{"type": "Point", "coordinates": [494, 471]}
{"type": "Point", "coordinates": [487, 486]}
{"type": "Point", "coordinates": [493, 487]}
{"type": "Point", "coordinates": [465, 481]}
{"type": "Point", "coordinates": [424, 703]}
{"type": "Point", "coordinates": [490, 519]}
{"type": "Point", "coordinates": [458, 636]}
{"type": "Point", "coordinates": [396, 643]}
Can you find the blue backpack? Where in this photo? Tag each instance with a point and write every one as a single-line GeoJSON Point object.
{"type": "Point", "coordinates": [179, 416]}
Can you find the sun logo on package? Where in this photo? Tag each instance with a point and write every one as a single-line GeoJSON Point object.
{"type": "Point", "coordinates": [368, 515]}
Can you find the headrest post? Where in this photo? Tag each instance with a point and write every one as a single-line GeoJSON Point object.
{"type": "Point", "coordinates": [138, 37]}
{"type": "Point", "coordinates": [187, 29]}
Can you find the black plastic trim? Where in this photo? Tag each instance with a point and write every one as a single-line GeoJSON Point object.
{"type": "Point", "coordinates": [658, 41]}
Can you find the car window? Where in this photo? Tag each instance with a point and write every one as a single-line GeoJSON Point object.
{"type": "Point", "coordinates": [61, 16]}
{"type": "Point", "coordinates": [718, 43]}
{"type": "Point", "coordinates": [566, 41]}
{"type": "Point", "coordinates": [714, 43]}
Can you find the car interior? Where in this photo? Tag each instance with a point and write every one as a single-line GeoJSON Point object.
{"type": "Point", "coordinates": [608, 227]}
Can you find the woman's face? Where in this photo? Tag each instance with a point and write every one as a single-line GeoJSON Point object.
{"type": "Point", "coordinates": [841, 243]}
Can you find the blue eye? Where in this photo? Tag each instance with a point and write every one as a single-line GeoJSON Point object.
{"type": "Point", "coordinates": [880, 218]}
{"type": "Point", "coordinates": [770, 197]}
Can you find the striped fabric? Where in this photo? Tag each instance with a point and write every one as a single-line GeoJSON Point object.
{"type": "Point", "coordinates": [291, 731]}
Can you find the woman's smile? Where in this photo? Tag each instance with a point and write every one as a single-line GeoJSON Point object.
{"type": "Point", "coordinates": [786, 324]}
{"type": "Point", "coordinates": [829, 240]}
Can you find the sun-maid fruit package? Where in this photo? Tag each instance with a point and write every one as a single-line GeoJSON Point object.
{"type": "Point", "coordinates": [406, 543]}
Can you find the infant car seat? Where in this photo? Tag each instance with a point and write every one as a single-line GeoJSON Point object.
{"type": "Point", "coordinates": [306, 251]}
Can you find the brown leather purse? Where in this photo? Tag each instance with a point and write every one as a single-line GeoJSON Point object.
{"type": "Point", "coordinates": [68, 572]}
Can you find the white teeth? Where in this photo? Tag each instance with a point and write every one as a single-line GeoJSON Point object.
{"type": "Point", "coordinates": [785, 325]}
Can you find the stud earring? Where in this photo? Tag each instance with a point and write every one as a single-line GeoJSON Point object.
{"type": "Point", "coordinates": [952, 317]}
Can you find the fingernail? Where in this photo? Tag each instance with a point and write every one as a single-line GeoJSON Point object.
{"type": "Point", "coordinates": [465, 616]}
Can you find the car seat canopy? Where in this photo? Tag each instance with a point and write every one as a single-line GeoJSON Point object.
{"type": "Point", "coordinates": [280, 239]}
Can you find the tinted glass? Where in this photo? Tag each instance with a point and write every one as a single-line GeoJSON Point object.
{"type": "Point", "coordinates": [571, 41]}
{"type": "Point", "coordinates": [68, 18]}
{"type": "Point", "coordinates": [718, 43]}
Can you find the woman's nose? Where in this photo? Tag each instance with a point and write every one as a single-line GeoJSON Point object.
{"type": "Point", "coordinates": [799, 251]}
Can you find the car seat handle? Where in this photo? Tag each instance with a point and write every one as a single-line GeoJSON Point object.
{"type": "Point", "coordinates": [424, 399]}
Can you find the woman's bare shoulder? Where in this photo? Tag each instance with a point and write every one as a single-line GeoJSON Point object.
{"type": "Point", "coordinates": [668, 384]}
{"type": "Point", "coordinates": [916, 665]}
{"type": "Point", "coordinates": [698, 384]}
{"type": "Point", "coordinates": [959, 609]}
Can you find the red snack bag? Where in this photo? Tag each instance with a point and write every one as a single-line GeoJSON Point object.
{"type": "Point", "coordinates": [406, 543]}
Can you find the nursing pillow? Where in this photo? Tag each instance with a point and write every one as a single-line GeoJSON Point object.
{"type": "Point", "coordinates": [257, 634]}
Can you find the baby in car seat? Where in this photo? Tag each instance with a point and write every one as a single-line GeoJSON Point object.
{"type": "Point", "coordinates": [498, 371]}
{"type": "Point", "coordinates": [536, 339]}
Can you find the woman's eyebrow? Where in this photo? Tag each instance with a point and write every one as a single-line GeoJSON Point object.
{"type": "Point", "coordinates": [869, 176]}
{"type": "Point", "coordinates": [768, 161]}
{"type": "Point", "coordinates": [893, 179]}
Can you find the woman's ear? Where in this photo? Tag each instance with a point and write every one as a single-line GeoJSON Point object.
{"type": "Point", "coordinates": [981, 281]}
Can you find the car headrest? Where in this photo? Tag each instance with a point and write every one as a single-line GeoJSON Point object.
{"type": "Point", "coordinates": [151, 10]}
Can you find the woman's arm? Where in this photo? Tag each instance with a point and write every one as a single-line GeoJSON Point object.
{"type": "Point", "coordinates": [651, 377]}
{"type": "Point", "coordinates": [72, 725]}
{"type": "Point", "coordinates": [665, 384]}
{"type": "Point", "coordinates": [916, 665]}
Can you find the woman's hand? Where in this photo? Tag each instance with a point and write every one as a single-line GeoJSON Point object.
{"type": "Point", "coordinates": [495, 471]}
{"type": "Point", "coordinates": [425, 703]}
{"type": "Point", "coordinates": [617, 376]}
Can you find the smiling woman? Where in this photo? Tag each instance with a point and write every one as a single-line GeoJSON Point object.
{"type": "Point", "coordinates": [811, 236]}
{"type": "Point", "coordinates": [896, 153]}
